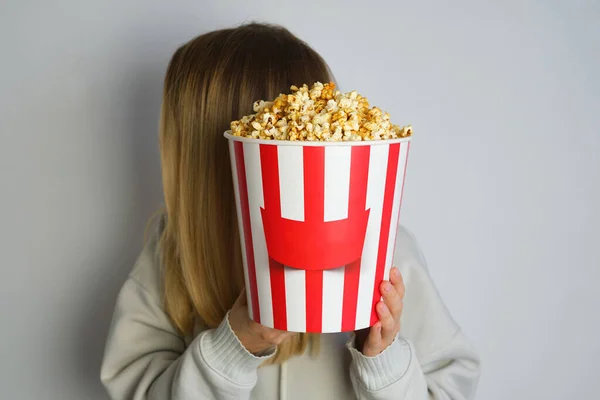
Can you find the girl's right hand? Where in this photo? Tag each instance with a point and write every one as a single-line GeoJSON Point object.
{"type": "Point", "coordinates": [255, 337]}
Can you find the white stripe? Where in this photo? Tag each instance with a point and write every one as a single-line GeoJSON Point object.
{"type": "Point", "coordinates": [337, 182]}
{"type": "Point", "coordinates": [333, 299]}
{"type": "Point", "coordinates": [395, 209]}
{"type": "Point", "coordinates": [236, 189]}
{"type": "Point", "coordinates": [295, 297]}
{"type": "Point", "coordinates": [291, 183]}
{"type": "Point", "coordinates": [337, 191]}
{"type": "Point", "coordinates": [375, 194]}
{"type": "Point", "coordinates": [261, 258]}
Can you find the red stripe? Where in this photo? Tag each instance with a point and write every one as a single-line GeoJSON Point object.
{"type": "Point", "coordinates": [269, 164]}
{"type": "Point", "coordinates": [314, 210]}
{"type": "Point", "coordinates": [404, 177]}
{"type": "Point", "coordinates": [243, 192]}
{"type": "Point", "coordinates": [314, 301]}
{"type": "Point", "coordinates": [359, 177]}
{"type": "Point", "coordinates": [388, 202]}
{"type": "Point", "coordinates": [277, 272]}
{"type": "Point", "coordinates": [401, 196]}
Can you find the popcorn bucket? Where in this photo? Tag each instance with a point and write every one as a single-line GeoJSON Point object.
{"type": "Point", "coordinates": [318, 224]}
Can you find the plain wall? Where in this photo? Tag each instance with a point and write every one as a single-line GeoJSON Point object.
{"type": "Point", "coordinates": [502, 188]}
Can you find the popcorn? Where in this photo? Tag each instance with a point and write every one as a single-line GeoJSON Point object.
{"type": "Point", "coordinates": [320, 113]}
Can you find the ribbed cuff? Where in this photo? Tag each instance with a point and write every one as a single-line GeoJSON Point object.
{"type": "Point", "coordinates": [389, 366]}
{"type": "Point", "coordinates": [227, 356]}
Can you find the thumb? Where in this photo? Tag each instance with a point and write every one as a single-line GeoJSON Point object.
{"type": "Point", "coordinates": [373, 343]}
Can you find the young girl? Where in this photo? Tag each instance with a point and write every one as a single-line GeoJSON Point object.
{"type": "Point", "coordinates": [181, 328]}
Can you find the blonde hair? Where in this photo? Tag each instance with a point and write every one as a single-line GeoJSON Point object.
{"type": "Point", "coordinates": [210, 81]}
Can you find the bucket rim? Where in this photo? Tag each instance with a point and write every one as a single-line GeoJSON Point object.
{"type": "Point", "coordinates": [300, 143]}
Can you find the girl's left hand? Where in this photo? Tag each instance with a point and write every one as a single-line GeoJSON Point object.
{"type": "Point", "coordinates": [374, 340]}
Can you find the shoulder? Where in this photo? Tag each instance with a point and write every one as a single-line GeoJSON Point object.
{"type": "Point", "coordinates": [147, 271]}
{"type": "Point", "coordinates": [426, 320]}
{"type": "Point", "coordinates": [407, 250]}
{"type": "Point", "coordinates": [409, 259]}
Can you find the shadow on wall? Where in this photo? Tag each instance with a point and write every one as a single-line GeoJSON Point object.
{"type": "Point", "coordinates": [143, 109]}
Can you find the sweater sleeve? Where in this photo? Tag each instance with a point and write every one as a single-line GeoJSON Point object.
{"type": "Point", "coordinates": [431, 359]}
{"type": "Point", "coordinates": [145, 359]}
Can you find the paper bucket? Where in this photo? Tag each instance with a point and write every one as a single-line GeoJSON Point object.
{"type": "Point", "coordinates": [318, 223]}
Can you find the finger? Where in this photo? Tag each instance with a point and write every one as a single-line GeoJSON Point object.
{"type": "Point", "coordinates": [284, 337]}
{"type": "Point", "coordinates": [285, 334]}
{"type": "Point", "coordinates": [388, 323]}
{"type": "Point", "coordinates": [270, 333]}
{"type": "Point", "coordinates": [398, 282]}
{"type": "Point", "coordinates": [374, 343]}
{"type": "Point", "coordinates": [275, 337]}
{"type": "Point", "coordinates": [392, 299]}
{"type": "Point", "coordinates": [290, 334]}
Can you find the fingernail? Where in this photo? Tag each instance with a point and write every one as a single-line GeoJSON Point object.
{"type": "Point", "coordinates": [395, 271]}
{"type": "Point", "coordinates": [387, 287]}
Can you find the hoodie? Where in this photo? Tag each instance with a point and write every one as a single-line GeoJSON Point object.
{"type": "Point", "coordinates": [146, 358]}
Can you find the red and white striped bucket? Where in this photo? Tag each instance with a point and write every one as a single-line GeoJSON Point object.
{"type": "Point", "coordinates": [318, 224]}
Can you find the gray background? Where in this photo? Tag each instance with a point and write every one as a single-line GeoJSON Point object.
{"type": "Point", "coordinates": [502, 189]}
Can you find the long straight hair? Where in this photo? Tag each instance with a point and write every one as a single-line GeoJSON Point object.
{"type": "Point", "coordinates": [212, 80]}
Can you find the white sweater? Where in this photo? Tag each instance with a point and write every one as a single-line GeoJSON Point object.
{"type": "Point", "coordinates": [147, 359]}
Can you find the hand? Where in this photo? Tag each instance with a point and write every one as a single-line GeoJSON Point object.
{"type": "Point", "coordinates": [254, 337]}
{"type": "Point", "coordinates": [374, 340]}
